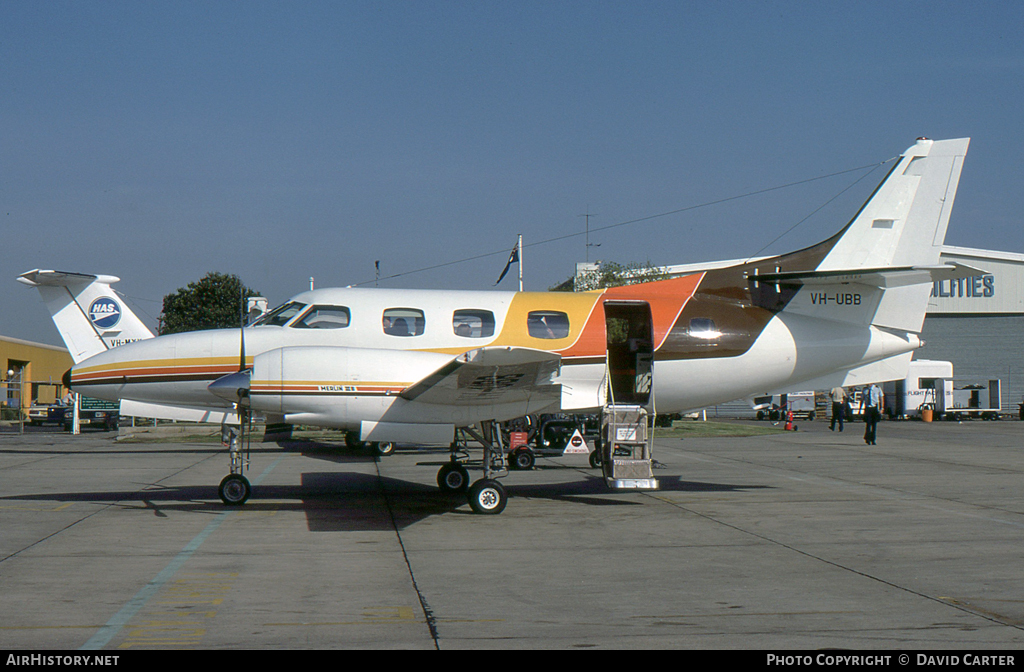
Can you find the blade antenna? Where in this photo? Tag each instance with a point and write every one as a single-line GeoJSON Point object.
{"type": "Point", "coordinates": [241, 328]}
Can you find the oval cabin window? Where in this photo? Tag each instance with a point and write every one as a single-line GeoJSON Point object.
{"type": "Point", "coordinates": [549, 324]}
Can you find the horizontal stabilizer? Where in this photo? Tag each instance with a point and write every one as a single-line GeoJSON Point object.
{"type": "Point", "coordinates": [884, 278]}
{"type": "Point", "coordinates": [40, 277]}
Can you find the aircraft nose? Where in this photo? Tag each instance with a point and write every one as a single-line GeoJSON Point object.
{"type": "Point", "coordinates": [233, 387]}
{"type": "Point", "coordinates": [66, 379]}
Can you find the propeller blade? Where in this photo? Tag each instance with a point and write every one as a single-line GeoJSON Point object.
{"type": "Point", "coordinates": [241, 328]}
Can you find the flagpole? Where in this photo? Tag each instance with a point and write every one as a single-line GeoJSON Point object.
{"type": "Point", "coordinates": [520, 262]}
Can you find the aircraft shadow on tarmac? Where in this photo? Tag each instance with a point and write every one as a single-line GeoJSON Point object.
{"type": "Point", "coordinates": [350, 502]}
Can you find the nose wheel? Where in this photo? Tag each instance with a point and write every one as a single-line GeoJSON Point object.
{"type": "Point", "coordinates": [234, 490]}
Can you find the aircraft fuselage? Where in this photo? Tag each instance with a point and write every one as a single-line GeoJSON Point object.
{"type": "Point", "coordinates": [337, 358]}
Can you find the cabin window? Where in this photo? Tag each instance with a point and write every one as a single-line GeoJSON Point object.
{"type": "Point", "coordinates": [547, 324]}
{"type": "Point", "coordinates": [704, 328]}
{"type": "Point", "coordinates": [281, 315]}
{"type": "Point", "coordinates": [324, 317]}
{"type": "Point", "coordinates": [403, 322]}
{"type": "Point", "coordinates": [473, 323]}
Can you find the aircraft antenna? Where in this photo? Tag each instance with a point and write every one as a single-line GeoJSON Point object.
{"type": "Point", "coordinates": [520, 262]}
{"type": "Point", "coordinates": [588, 214]}
{"type": "Point", "coordinates": [637, 220]}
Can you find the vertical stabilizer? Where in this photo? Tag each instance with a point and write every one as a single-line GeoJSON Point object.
{"type": "Point", "coordinates": [904, 222]}
{"type": "Point", "coordinates": [903, 225]}
{"type": "Point", "coordinates": [89, 315]}
{"type": "Point", "coordinates": [92, 318]}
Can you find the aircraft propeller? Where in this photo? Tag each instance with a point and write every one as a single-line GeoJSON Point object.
{"type": "Point", "coordinates": [234, 490]}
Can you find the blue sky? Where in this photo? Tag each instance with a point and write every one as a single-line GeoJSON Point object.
{"type": "Point", "coordinates": [159, 141]}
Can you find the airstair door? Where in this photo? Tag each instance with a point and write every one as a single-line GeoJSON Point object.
{"type": "Point", "coordinates": [626, 441]}
{"type": "Point", "coordinates": [630, 336]}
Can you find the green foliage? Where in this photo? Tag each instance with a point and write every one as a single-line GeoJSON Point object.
{"type": "Point", "coordinates": [612, 274]}
{"type": "Point", "coordinates": [211, 303]}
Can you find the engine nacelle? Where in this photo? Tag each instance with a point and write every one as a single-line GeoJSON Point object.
{"type": "Point", "coordinates": [335, 386]}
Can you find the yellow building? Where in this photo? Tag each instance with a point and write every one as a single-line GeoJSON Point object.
{"type": "Point", "coordinates": [31, 371]}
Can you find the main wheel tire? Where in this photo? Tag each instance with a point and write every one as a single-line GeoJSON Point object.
{"type": "Point", "coordinates": [234, 490]}
{"type": "Point", "coordinates": [522, 458]}
{"type": "Point", "coordinates": [487, 497]}
{"type": "Point", "coordinates": [453, 478]}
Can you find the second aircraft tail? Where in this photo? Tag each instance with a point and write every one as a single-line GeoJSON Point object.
{"type": "Point", "coordinates": [89, 315]}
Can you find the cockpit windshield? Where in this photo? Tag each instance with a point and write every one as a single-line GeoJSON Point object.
{"type": "Point", "coordinates": [324, 317]}
{"type": "Point", "coordinates": [280, 316]}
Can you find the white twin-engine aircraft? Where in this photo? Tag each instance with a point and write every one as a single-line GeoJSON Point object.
{"type": "Point", "coordinates": [426, 366]}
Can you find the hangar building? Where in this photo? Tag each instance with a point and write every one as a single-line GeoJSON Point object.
{"type": "Point", "coordinates": [978, 323]}
{"type": "Point", "coordinates": [37, 370]}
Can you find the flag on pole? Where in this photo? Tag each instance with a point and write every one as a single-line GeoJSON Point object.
{"type": "Point", "coordinates": [512, 259]}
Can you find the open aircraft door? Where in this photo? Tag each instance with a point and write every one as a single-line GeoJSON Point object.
{"type": "Point", "coordinates": [629, 332]}
{"type": "Point", "coordinates": [626, 440]}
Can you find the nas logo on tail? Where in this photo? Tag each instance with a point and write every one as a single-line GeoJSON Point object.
{"type": "Point", "coordinates": [104, 312]}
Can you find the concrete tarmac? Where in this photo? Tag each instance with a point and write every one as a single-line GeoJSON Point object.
{"type": "Point", "coordinates": [802, 540]}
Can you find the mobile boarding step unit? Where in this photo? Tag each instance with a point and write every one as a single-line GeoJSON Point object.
{"type": "Point", "coordinates": [626, 438]}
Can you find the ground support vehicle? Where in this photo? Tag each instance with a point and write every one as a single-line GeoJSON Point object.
{"type": "Point", "coordinates": [801, 404]}
{"type": "Point", "coordinates": [553, 435]}
{"type": "Point", "coordinates": [975, 401]}
{"type": "Point", "coordinates": [929, 386]}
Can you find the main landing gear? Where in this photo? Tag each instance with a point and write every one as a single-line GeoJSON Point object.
{"type": "Point", "coordinates": [379, 448]}
{"type": "Point", "coordinates": [486, 496]}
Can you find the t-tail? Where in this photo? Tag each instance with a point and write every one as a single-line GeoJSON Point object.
{"type": "Point", "coordinates": [877, 271]}
{"type": "Point", "coordinates": [846, 311]}
{"type": "Point", "coordinates": [92, 318]}
{"type": "Point", "coordinates": [89, 315]}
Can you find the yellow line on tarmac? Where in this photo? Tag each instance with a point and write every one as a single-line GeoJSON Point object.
{"type": "Point", "coordinates": [48, 627]}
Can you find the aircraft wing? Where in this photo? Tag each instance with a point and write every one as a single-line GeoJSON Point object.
{"type": "Point", "coordinates": [489, 377]}
{"type": "Point", "coordinates": [875, 277]}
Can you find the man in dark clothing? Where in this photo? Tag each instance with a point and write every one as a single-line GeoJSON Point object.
{"type": "Point", "coordinates": [871, 407]}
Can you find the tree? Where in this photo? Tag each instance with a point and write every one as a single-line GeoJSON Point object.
{"type": "Point", "coordinates": [211, 303]}
{"type": "Point", "coordinates": [612, 274]}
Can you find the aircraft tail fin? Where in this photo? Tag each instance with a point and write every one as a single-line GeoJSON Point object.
{"type": "Point", "coordinates": [904, 222]}
{"type": "Point", "coordinates": [89, 315]}
{"type": "Point", "coordinates": [890, 248]}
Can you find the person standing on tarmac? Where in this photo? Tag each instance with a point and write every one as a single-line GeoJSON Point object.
{"type": "Point", "coordinates": [838, 396]}
{"type": "Point", "coordinates": [871, 407]}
